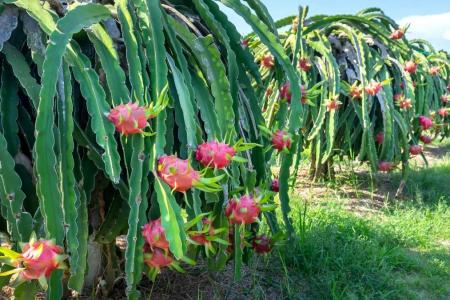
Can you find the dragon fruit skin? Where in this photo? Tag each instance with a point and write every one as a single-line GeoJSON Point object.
{"type": "Point", "coordinates": [40, 258]}
{"type": "Point", "coordinates": [128, 118]}
{"type": "Point", "coordinates": [410, 67]}
{"type": "Point", "coordinates": [415, 149]}
{"type": "Point", "coordinates": [261, 244]}
{"type": "Point", "coordinates": [304, 64]}
{"type": "Point", "coordinates": [281, 140]}
{"type": "Point", "coordinates": [275, 186]}
{"type": "Point", "coordinates": [443, 112]}
{"type": "Point", "coordinates": [267, 61]}
{"type": "Point", "coordinates": [154, 234]}
{"type": "Point", "coordinates": [379, 138]}
{"type": "Point", "coordinates": [158, 259]}
{"type": "Point", "coordinates": [434, 71]}
{"type": "Point", "coordinates": [215, 154]}
{"type": "Point", "coordinates": [373, 88]}
{"type": "Point", "coordinates": [397, 34]}
{"type": "Point", "coordinates": [177, 173]}
{"type": "Point", "coordinates": [385, 166]}
{"type": "Point", "coordinates": [243, 210]}
{"type": "Point", "coordinates": [425, 122]}
{"type": "Point", "coordinates": [426, 139]}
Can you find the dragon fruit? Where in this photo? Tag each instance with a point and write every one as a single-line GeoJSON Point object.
{"type": "Point", "coordinates": [177, 173]}
{"type": "Point", "coordinates": [410, 67]}
{"type": "Point", "coordinates": [379, 138]}
{"type": "Point", "coordinates": [332, 104]}
{"type": "Point", "coordinates": [129, 118]}
{"type": "Point", "coordinates": [244, 210]}
{"type": "Point", "coordinates": [444, 98]}
{"type": "Point", "coordinates": [415, 149]}
{"type": "Point", "coordinates": [275, 186]}
{"type": "Point", "coordinates": [397, 34]}
{"type": "Point", "coordinates": [385, 166]}
{"type": "Point", "coordinates": [267, 61]}
{"type": "Point", "coordinates": [443, 112]}
{"type": "Point", "coordinates": [215, 154]}
{"type": "Point", "coordinates": [425, 122]}
{"type": "Point", "coordinates": [405, 104]}
{"type": "Point", "coordinates": [426, 139]}
{"type": "Point", "coordinates": [285, 93]}
{"type": "Point", "coordinates": [40, 259]}
{"type": "Point", "coordinates": [261, 244]}
{"type": "Point", "coordinates": [373, 88]}
{"type": "Point", "coordinates": [154, 235]}
{"type": "Point", "coordinates": [355, 92]}
{"type": "Point", "coordinates": [281, 140]}
{"type": "Point", "coordinates": [304, 64]}
{"type": "Point", "coordinates": [434, 71]}
{"type": "Point", "coordinates": [158, 259]}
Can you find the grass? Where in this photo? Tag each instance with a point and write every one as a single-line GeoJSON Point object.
{"type": "Point", "coordinates": [399, 251]}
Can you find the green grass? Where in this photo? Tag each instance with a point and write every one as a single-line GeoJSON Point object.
{"type": "Point", "coordinates": [401, 251]}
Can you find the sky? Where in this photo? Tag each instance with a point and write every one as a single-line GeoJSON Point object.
{"type": "Point", "coordinates": [429, 19]}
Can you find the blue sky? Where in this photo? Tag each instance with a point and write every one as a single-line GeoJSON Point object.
{"type": "Point", "coordinates": [429, 19]}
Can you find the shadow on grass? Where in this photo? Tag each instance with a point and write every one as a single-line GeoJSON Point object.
{"type": "Point", "coordinates": [344, 256]}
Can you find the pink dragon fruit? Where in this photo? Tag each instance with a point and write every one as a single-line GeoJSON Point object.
{"type": "Point", "coordinates": [40, 258]}
{"type": "Point", "coordinates": [397, 34]}
{"type": "Point", "coordinates": [426, 139]}
{"type": "Point", "coordinates": [154, 235]}
{"type": "Point", "coordinates": [177, 173]}
{"type": "Point", "coordinates": [286, 94]}
{"type": "Point", "coordinates": [267, 61]}
{"type": "Point", "coordinates": [215, 154]}
{"type": "Point", "coordinates": [379, 138]}
{"type": "Point", "coordinates": [332, 104]}
{"type": "Point", "coordinates": [355, 92]}
{"type": "Point", "coordinates": [410, 67]}
{"type": "Point", "coordinates": [443, 112]}
{"type": "Point", "coordinates": [158, 259]}
{"type": "Point", "coordinates": [244, 210]}
{"type": "Point", "coordinates": [261, 244]}
{"type": "Point", "coordinates": [415, 149]}
{"type": "Point", "coordinates": [373, 88]}
{"type": "Point", "coordinates": [304, 64]}
{"type": "Point", "coordinates": [425, 122]}
{"type": "Point", "coordinates": [275, 186]}
{"type": "Point", "coordinates": [129, 118]}
{"type": "Point", "coordinates": [405, 104]}
{"type": "Point", "coordinates": [281, 140]}
{"type": "Point", "coordinates": [385, 166]}
{"type": "Point", "coordinates": [434, 71]}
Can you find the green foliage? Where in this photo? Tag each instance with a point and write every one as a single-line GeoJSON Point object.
{"type": "Point", "coordinates": [77, 175]}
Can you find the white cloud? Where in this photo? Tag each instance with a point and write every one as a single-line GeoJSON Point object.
{"type": "Point", "coordinates": [434, 28]}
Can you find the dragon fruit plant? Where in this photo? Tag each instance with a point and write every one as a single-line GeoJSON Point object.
{"type": "Point", "coordinates": [119, 122]}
